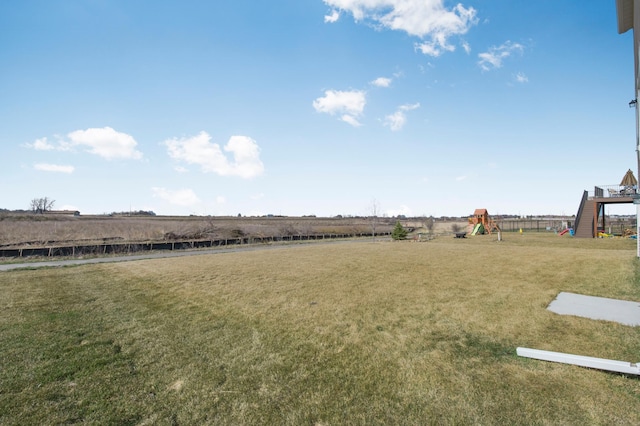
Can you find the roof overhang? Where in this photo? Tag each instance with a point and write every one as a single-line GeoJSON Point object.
{"type": "Point", "coordinates": [625, 15]}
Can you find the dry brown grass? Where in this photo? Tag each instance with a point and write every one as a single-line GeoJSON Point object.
{"type": "Point", "coordinates": [358, 333]}
{"type": "Point", "coordinates": [21, 230]}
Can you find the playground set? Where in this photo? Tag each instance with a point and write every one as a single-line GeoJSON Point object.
{"type": "Point", "coordinates": [590, 221]}
{"type": "Point", "coordinates": [481, 223]}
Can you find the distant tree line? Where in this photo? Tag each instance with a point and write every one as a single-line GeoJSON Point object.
{"type": "Point", "coordinates": [14, 211]}
{"type": "Point", "coordinates": [134, 213]}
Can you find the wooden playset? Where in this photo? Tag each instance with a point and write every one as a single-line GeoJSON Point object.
{"type": "Point", "coordinates": [481, 223]}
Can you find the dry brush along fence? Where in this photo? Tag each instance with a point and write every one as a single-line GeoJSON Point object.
{"type": "Point", "coordinates": [134, 247]}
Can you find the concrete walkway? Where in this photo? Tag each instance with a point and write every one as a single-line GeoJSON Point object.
{"type": "Point", "coordinates": [598, 308]}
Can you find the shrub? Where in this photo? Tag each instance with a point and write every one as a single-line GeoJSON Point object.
{"type": "Point", "coordinates": [398, 233]}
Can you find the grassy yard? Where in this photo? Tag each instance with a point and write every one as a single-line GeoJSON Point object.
{"type": "Point", "coordinates": [357, 333]}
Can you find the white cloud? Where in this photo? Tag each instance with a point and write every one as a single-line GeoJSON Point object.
{"type": "Point", "coordinates": [521, 78]}
{"type": "Point", "coordinates": [410, 107]}
{"type": "Point", "coordinates": [398, 119]}
{"type": "Point", "coordinates": [335, 15]}
{"type": "Point", "coordinates": [106, 143]}
{"type": "Point", "coordinates": [54, 168]}
{"type": "Point", "coordinates": [429, 20]}
{"type": "Point", "coordinates": [41, 144]}
{"type": "Point", "coordinates": [350, 104]}
{"type": "Point", "coordinates": [257, 196]}
{"type": "Point", "coordinates": [461, 178]}
{"type": "Point", "coordinates": [382, 82]}
{"type": "Point", "coordinates": [434, 48]}
{"type": "Point", "coordinates": [395, 121]}
{"type": "Point", "coordinates": [200, 151]}
{"type": "Point", "coordinates": [493, 58]}
{"type": "Point", "coordinates": [220, 199]}
{"type": "Point", "coordinates": [401, 211]}
{"type": "Point", "coordinates": [350, 120]}
{"type": "Point", "coordinates": [466, 47]}
{"type": "Point", "coordinates": [180, 197]}
{"type": "Point", "coordinates": [336, 101]}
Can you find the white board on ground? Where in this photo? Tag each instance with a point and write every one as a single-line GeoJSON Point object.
{"type": "Point", "coordinates": [582, 361]}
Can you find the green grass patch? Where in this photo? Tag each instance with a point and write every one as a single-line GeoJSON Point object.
{"type": "Point", "coordinates": [358, 333]}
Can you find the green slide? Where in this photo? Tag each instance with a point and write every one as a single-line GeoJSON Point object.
{"type": "Point", "coordinates": [478, 229]}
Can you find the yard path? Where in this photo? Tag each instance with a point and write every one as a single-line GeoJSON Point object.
{"type": "Point", "coordinates": [161, 255]}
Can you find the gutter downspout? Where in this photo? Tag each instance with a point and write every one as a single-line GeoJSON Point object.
{"type": "Point", "coordinates": [636, 84]}
{"type": "Point", "coordinates": [582, 361]}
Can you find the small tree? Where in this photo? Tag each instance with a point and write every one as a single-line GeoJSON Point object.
{"type": "Point", "coordinates": [375, 207]}
{"type": "Point", "coordinates": [399, 233]}
{"type": "Point", "coordinates": [41, 205]}
{"type": "Point", "coordinates": [430, 224]}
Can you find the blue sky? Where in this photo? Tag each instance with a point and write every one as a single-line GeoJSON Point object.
{"type": "Point", "coordinates": [325, 107]}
